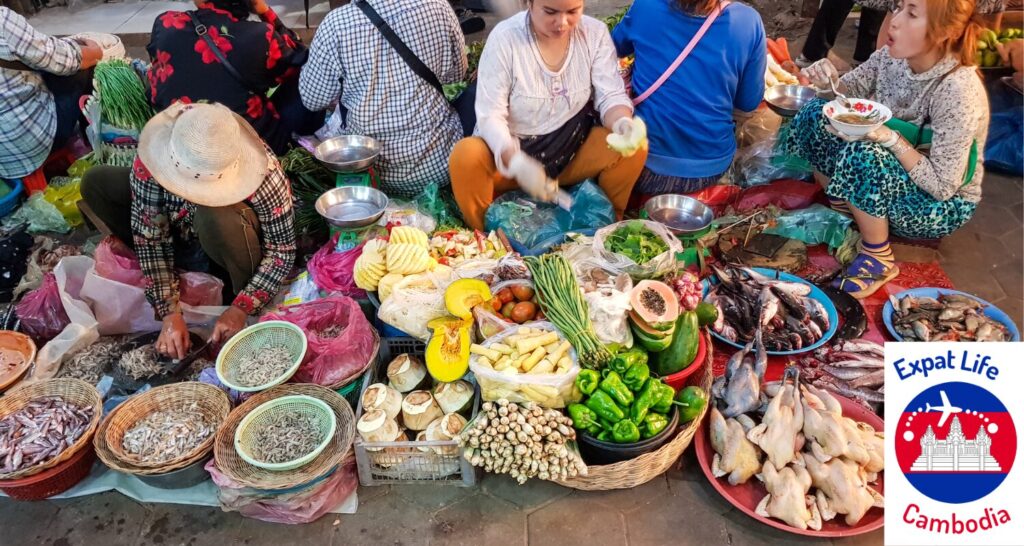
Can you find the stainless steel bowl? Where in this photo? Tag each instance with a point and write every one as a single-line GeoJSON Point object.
{"type": "Point", "coordinates": [787, 100]}
{"type": "Point", "coordinates": [681, 214]}
{"type": "Point", "coordinates": [348, 153]}
{"type": "Point", "coordinates": [352, 206]}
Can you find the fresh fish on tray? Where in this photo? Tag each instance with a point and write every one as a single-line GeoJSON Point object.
{"type": "Point", "coordinates": [950, 317]}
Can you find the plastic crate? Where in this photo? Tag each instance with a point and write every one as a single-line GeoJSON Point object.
{"type": "Point", "coordinates": [385, 463]}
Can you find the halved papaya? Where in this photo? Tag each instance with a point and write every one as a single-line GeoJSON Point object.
{"type": "Point", "coordinates": [655, 303]}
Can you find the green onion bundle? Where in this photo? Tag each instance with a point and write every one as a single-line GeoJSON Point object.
{"type": "Point", "coordinates": [562, 301]}
{"type": "Point", "coordinates": [309, 180]}
{"type": "Point", "coordinates": [122, 95]}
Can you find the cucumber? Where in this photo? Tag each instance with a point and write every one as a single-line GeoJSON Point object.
{"type": "Point", "coordinates": [681, 352]}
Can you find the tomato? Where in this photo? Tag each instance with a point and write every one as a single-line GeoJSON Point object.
{"type": "Point", "coordinates": [505, 295]}
{"type": "Point", "coordinates": [506, 310]}
{"type": "Point", "coordinates": [496, 305]}
{"type": "Point", "coordinates": [524, 311]}
{"type": "Point", "coordinates": [522, 293]}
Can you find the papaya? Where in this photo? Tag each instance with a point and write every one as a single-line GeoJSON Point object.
{"type": "Point", "coordinates": [683, 349]}
{"type": "Point", "coordinates": [651, 344]}
{"type": "Point", "coordinates": [463, 295]}
{"type": "Point", "coordinates": [654, 303]}
{"type": "Point", "coordinates": [447, 354]}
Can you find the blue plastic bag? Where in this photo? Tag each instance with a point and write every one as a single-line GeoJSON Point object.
{"type": "Point", "coordinates": [528, 223]}
{"type": "Point", "coordinates": [1004, 149]}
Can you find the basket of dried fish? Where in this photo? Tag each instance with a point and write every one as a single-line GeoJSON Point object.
{"type": "Point", "coordinates": [232, 465]}
{"type": "Point", "coordinates": [45, 423]}
{"type": "Point", "coordinates": [166, 426]}
{"type": "Point", "coordinates": [263, 355]}
{"type": "Point", "coordinates": [52, 481]}
{"type": "Point", "coordinates": [285, 433]}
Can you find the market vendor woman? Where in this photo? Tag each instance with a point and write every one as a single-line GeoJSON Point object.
{"type": "Point", "coordinates": [203, 179]}
{"type": "Point", "coordinates": [891, 181]}
{"type": "Point", "coordinates": [548, 95]}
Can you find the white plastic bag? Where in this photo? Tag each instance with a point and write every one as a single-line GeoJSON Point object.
{"type": "Point", "coordinates": [617, 263]}
{"type": "Point", "coordinates": [415, 301]}
{"type": "Point", "coordinates": [609, 311]}
{"type": "Point", "coordinates": [547, 390]}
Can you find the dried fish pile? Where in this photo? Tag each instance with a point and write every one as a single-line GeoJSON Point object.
{"type": "Point", "coordinates": [262, 367]}
{"type": "Point", "coordinates": [168, 434]}
{"type": "Point", "coordinates": [90, 365]}
{"type": "Point", "coordinates": [141, 363]}
{"type": "Point", "coordinates": [286, 437]}
{"type": "Point", "coordinates": [196, 368]}
{"type": "Point", "coordinates": [854, 369]}
{"type": "Point", "coordinates": [951, 317]}
{"type": "Point", "coordinates": [330, 332]}
{"type": "Point", "coordinates": [40, 431]}
{"type": "Point", "coordinates": [787, 316]}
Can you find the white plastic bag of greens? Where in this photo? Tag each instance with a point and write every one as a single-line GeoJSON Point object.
{"type": "Point", "coordinates": [608, 303]}
{"type": "Point", "coordinates": [640, 248]}
{"type": "Point", "coordinates": [415, 301]}
{"type": "Point", "coordinates": [549, 390]}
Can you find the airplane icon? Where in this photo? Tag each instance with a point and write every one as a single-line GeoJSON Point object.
{"type": "Point", "coordinates": [946, 408]}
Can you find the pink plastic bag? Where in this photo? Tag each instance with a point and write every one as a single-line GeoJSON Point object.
{"type": "Point", "coordinates": [333, 356]}
{"type": "Point", "coordinates": [787, 194]}
{"type": "Point", "coordinates": [305, 506]}
{"type": "Point", "coordinates": [42, 313]}
{"type": "Point", "coordinates": [332, 271]}
{"type": "Point", "coordinates": [200, 289]}
{"type": "Point", "coordinates": [116, 262]}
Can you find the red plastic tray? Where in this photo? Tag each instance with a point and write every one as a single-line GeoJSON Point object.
{"type": "Point", "coordinates": [746, 496]}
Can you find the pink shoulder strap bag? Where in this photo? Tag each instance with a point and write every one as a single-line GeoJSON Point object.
{"type": "Point", "coordinates": [685, 53]}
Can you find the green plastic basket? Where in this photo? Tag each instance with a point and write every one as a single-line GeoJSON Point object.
{"type": "Point", "coordinates": [257, 338]}
{"type": "Point", "coordinates": [245, 435]}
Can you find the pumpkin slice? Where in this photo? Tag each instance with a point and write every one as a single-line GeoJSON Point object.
{"type": "Point", "coordinates": [447, 353]}
{"type": "Point", "coordinates": [464, 294]}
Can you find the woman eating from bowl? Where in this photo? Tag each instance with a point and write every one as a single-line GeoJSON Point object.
{"type": "Point", "coordinates": [548, 97]}
{"type": "Point", "coordinates": [894, 179]}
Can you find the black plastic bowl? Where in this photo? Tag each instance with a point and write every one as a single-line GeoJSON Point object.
{"type": "Point", "coordinates": [596, 452]}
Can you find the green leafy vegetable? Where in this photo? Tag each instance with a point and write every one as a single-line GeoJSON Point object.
{"type": "Point", "coordinates": [122, 96]}
{"type": "Point", "coordinates": [636, 242]}
{"type": "Point", "coordinates": [310, 180]}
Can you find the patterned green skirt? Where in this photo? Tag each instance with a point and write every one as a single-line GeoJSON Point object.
{"type": "Point", "coordinates": [871, 179]}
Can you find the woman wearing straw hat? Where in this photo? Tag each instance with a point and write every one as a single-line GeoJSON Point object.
{"type": "Point", "coordinates": [202, 179]}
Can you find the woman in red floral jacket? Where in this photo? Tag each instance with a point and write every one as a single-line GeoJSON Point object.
{"type": "Point", "coordinates": [262, 54]}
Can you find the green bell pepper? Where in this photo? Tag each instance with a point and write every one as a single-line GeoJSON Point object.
{"type": "Point", "coordinates": [587, 381]}
{"type": "Point", "coordinates": [623, 361]}
{"type": "Point", "coordinates": [636, 376]}
{"type": "Point", "coordinates": [663, 397]}
{"type": "Point", "coordinates": [613, 385]}
{"type": "Point", "coordinates": [654, 423]}
{"type": "Point", "coordinates": [605, 407]}
{"type": "Point", "coordinates": [691, 401]}
{"type": "Point", "coordinates": [642, 404]}
{"type": "Point", "coordinates": [584, 418]}
{"type": "Point", "coordinates": [625, 432]}
{"type": "Point", "coordinates": [605, 435]}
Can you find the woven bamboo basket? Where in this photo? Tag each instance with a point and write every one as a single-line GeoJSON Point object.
{"type": "Point", "coordinates": [74, 391]}
{"type": "Point", "coordinates": [233, 466]}
{"type": "Point", "coordinates": [210, 400]}
{"type": "Point", "coordinates": [369, 362]}
{"type": "Point", "coordinates": [648, 466]}
{"type": "Point", "coordinates": [104, 453]}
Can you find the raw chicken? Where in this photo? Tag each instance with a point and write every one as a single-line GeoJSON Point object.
{"type": "Point", "coordinates": [779, 434]}
{"type": "Point", "coordinates": [842, 489]}
{"type": "Point", "coordinates": [734, 454]}
{"type": "Point", "coordinates": [787, 497]}
{"type": "Point", "coordinates": [874, 442]}
{"type": "Point", "coordinates": [827, 432]}
{"type": "Point", "coordinates": [740, 388]}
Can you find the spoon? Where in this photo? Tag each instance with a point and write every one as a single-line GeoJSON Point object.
{"type": "Point", "coordinates": [843, 101]}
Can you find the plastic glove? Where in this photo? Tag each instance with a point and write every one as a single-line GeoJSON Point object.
{"type": "Point", "coordinates": [878, 136]}
{"type": "Point", "coordinates": [821, 74]}
{"type": "Point", "coordinates": [629, 135]}
{"type": "Point", "coordinates": [530, 175]}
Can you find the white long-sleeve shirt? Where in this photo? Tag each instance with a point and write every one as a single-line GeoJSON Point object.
{"type": "Point", "coordinates": [518, 96]}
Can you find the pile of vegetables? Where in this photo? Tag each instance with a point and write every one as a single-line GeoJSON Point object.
{"type": "Point", "coordinates": [635, 241]}
{"type": "Point", "coordinates": [455, 246]}
{"type": "Point", "coordinates": [562, 302]}
{"type": "Point", "coordinates": [517, 303]}
{"type": "Point", "coordinates": [531, 364]}
{"type": "Point", "coordinates": [987, 55]}
{"type": "Point", "coordinates": [122, 95]}
{"type": "Point", "coordinates": [309, 180]}
{"type": "Point", "coordinates": [523, 441]}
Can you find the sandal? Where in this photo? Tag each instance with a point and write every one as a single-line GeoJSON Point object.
{"type": "Point", "coordinates": [864, 276]}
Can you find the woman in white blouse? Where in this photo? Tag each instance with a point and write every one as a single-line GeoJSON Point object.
{"type": "Point", "coordinates": [548, 95]}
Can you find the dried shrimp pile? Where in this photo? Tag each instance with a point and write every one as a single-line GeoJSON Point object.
{"type": "Point", "coordinates": [169, 434]}
{"type": "Point", "coordinates": [261, 367]}
{"type": "Point", "coordinates": [40, 431]}
{"type": "Point", "coordinates": [286, 437]}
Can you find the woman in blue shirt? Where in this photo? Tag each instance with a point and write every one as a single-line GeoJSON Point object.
{"type": "Point", "coordinates": [690, 117]}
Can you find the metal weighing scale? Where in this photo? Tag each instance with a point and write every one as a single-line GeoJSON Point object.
{"type": "Point", "coordinates": [354, 205]}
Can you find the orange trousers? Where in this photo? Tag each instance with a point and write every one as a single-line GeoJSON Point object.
{"type": "Point", "coordinates": [476, 180]}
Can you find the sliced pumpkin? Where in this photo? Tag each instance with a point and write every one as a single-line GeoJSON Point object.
{"type": "Point", "coordinates": [464, 294]}
{"type": "Point", "coordinates": [448, 349]}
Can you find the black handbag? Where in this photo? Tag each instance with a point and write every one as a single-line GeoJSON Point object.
{"type": "Point", "coordinates": [463, 104]}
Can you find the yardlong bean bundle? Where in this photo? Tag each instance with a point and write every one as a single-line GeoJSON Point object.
{"type": "Point", "coordinates": [122, 96]}
{"type": "Point", "coordinates": [562, 301]}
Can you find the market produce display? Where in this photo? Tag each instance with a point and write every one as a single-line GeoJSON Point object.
{"type": "Point", "coordinates": [636, 242]}
{"type": "Point", "coordinates": [40, 431]}
{"type": "Point", "coordinates": [517, 303]}
{"type": "Point", "coordinates": [854, 369]}
{"type": "Point", "coordinates": [531, 363]}
{"type": "Point", "coordinates": [987, 55]}
{"type": "Point", "coordinates": [168, 434]}
{"type": "Point", "coordinates": [947, 317]}
{"type": "Point", "coordinates": [456, 246]}
{"type": "Point", "coordinates": [523, 441]}
{"type": "Point", "coordinates": [563, 304]}
{"type": "Point", "coordinates": [748, 301]}
{"type": "Point", "coordinates": [261, 367]}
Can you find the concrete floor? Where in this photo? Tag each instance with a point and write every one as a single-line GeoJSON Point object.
{"type": "Point", "coordinates": [984, 258]}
